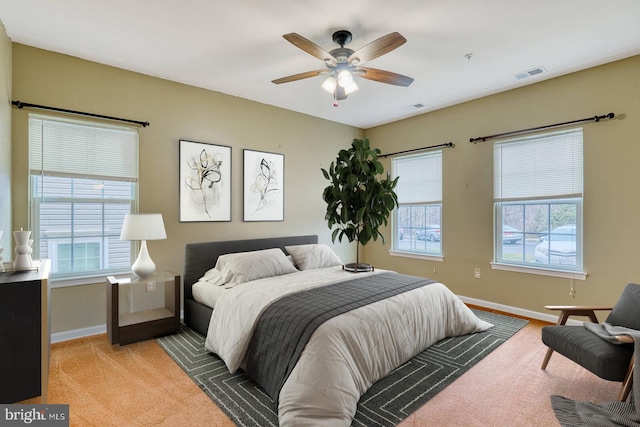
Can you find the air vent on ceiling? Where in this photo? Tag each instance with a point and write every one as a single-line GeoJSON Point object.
{"type": "Point", "coordinates": [530, 73]}
{"type": "Point", "coordinates": [415, 106]}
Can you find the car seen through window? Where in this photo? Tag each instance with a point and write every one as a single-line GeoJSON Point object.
{"type": "Point", "coordinates": [558, 247]}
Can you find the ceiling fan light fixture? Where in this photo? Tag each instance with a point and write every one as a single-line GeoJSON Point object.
{"type": "Point", "coordinates": [342, 65]}
{"type": "Point", "coordinates": [351, 88]}
{"type": "Point", "coordinates": [330, 84]}
{"type": "Point", "coordinates": [345, 78]}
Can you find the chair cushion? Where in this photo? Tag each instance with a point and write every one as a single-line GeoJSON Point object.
{"type": "Point", "coordinates": [625, 312]}
{"type": "Point", "coordinates": [606, 360]}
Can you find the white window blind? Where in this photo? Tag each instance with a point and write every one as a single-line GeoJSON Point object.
{"type": "Point", "coordinates": [58, 146]}
{"type": "Point", "coordinates": [420, 178]}
{"type": "Point", "coordinates": [547, 166]}
{"type": "Point", "coordinates": [83, 181]}
{"type": "Point", "coordinates": [538, 190]}
{"type": "Point", "coordinates": [418, 218]}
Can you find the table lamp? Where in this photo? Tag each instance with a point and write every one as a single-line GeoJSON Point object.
{"type": "Point", "coordinates": [143, 227]}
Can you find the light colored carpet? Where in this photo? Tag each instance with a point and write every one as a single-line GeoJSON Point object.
{"type": "Point", "coordinates": [508, 388]}
{"type": "Point", "coordinates": [133, 385]}
{"type": "Point", "coordinates": [140, 385]}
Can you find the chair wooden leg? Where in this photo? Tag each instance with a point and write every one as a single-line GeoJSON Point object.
{"type": "Point", "coordinates": [562, 319]}
{"type": "Point", "coordinates": [628, 382]}
{"type": "Point", "coordinates": [546, 359]}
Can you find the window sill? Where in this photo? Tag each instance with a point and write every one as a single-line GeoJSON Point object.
{"type": "Point", "coordinates": [578, 275]}
{"type": "Point", "coordinates": [80, 281]}
{"type": "Point", "coordinates": [417, 255]}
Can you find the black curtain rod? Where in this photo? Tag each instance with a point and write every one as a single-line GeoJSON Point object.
{"type": "Point", "coordinates": [21, 105]}
{"type": "Point", "coordinates": [515, 132]}
{"type": "Point", "coordinates": [448, 145]}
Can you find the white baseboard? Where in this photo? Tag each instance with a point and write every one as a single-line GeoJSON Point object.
{"type": "Point", "coordinates": [517, 311]}
{"type": "Point", "coordinates": [78, 333]}
{"type": "Point", "coordinates": [84, 332]}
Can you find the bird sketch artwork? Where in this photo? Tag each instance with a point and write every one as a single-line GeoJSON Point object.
{"type": "Point", "coordinates": [263, 186]}
{"type": "Point", "coordinates": [205, 171]}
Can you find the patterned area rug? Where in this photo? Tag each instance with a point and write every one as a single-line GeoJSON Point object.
{"type": "Point", "coordinates": [386, 403]}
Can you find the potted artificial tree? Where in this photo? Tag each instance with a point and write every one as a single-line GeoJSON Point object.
{"type": "Point", "coordinates": [358, 202]}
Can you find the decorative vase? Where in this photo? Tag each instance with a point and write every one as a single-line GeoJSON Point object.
{"type": "Point", "coordinates": [22, 250]}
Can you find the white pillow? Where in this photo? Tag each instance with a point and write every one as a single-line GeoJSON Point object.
{"type": "Point", "coordinates": [213, 276]}
{"type": "Point", "coordinates": [246, 266]}
{"type": "Point", "coordinates": [307, 257]}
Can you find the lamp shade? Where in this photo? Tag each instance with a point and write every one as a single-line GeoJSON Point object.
{"type": "Point", "coordinates": [330, 84]}
{"type": "Point", "coordinates": [143, 227]}
{"type": "Point", "coordinates": [345, 78]}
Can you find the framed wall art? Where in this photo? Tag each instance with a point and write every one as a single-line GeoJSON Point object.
{"type": "Point", "coordinates": [205, 182]}
{"type": "Point", "coordinates": [263, 186]}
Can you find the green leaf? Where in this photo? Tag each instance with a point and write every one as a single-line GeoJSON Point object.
{"type": "Point", "coordinates": [357, 202]}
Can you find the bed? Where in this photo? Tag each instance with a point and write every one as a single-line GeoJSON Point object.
{"type": "Point", "coordinates": [202, 256]}
{"type": "Point", "coordinates": [344, 349]}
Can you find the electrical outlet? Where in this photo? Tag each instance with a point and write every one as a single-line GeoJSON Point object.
{"type": "Point", "coordinates": [151, 286]}
{"type": "Point", "coordinates": [477, 273]}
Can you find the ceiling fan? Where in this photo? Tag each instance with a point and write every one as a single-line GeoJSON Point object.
{"type": "Point", "coordinates": [342, 63]}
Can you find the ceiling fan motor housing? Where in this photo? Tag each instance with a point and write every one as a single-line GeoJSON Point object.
{"type": "Point", "coordinates": [342, 37]}
{"type": "Point", "coordinates": [341, 54]}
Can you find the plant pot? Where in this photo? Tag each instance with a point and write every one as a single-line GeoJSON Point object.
{"type": "Point", "coordinates": [358, 267]}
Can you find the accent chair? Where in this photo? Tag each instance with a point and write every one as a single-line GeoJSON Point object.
{"type": "Point", "coordinates": [610, 361]}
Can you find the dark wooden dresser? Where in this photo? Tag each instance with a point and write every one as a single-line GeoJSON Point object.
{"type": "Point", "coordinates": [24, 333]}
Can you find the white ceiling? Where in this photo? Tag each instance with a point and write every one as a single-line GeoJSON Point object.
{"type": "Point", "coordinates": [236, 47]}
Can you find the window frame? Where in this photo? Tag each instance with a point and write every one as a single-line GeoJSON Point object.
{"type": "Point", "coordinates": [575, 199]}
{"type": "Point", "coordinates": [395, 250]}
{"type": "Point", "coordinates": [39, 197]}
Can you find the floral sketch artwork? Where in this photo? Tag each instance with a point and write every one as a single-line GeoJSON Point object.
{"type": "Point", "coordinates": [205, 188]}
{"type": "Point", "coordinates": [263, 186]}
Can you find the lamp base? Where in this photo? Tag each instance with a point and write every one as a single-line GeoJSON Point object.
{"type": "Point", "coordinates": [144, 265]}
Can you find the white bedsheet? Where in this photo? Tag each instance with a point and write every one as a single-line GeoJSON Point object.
{"type": "Point", "coordinates": [346, 354]}
{"type": "Point", "coordinates": [206, 293]}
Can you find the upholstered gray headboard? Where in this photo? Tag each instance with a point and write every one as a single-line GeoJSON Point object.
{"type": "Point", "coordinates": [201, 257]}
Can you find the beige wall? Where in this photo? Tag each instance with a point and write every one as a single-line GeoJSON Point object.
{"type": "Point", "coordinates": [612, 151]}
{"type": "Point", "coordinates": [5, 144]}
{"type": "Point", "coordinates": [175, 111]}
{"type": "Point", "coordinates": [611, 189]}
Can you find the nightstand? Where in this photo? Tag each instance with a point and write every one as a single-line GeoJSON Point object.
{"type": "Point", "coordinates": [140, 309]}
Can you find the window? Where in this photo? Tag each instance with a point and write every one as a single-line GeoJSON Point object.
{"type": "Point", "coordinates": [83, 180]}
{"type": "Point", "coordinates": [417, 220]}
{"type": "Point", "coordinates": [538, 185]}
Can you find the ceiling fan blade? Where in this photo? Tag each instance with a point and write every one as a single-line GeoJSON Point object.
{"type": "Point", "coordinates": [300, 76]}
{"type": "Point", "coordinates": [383, 76]}
{"type": "Point", "coordinates": [376, 48]}
{"type": "Point", "coordinates": [310, 47]}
